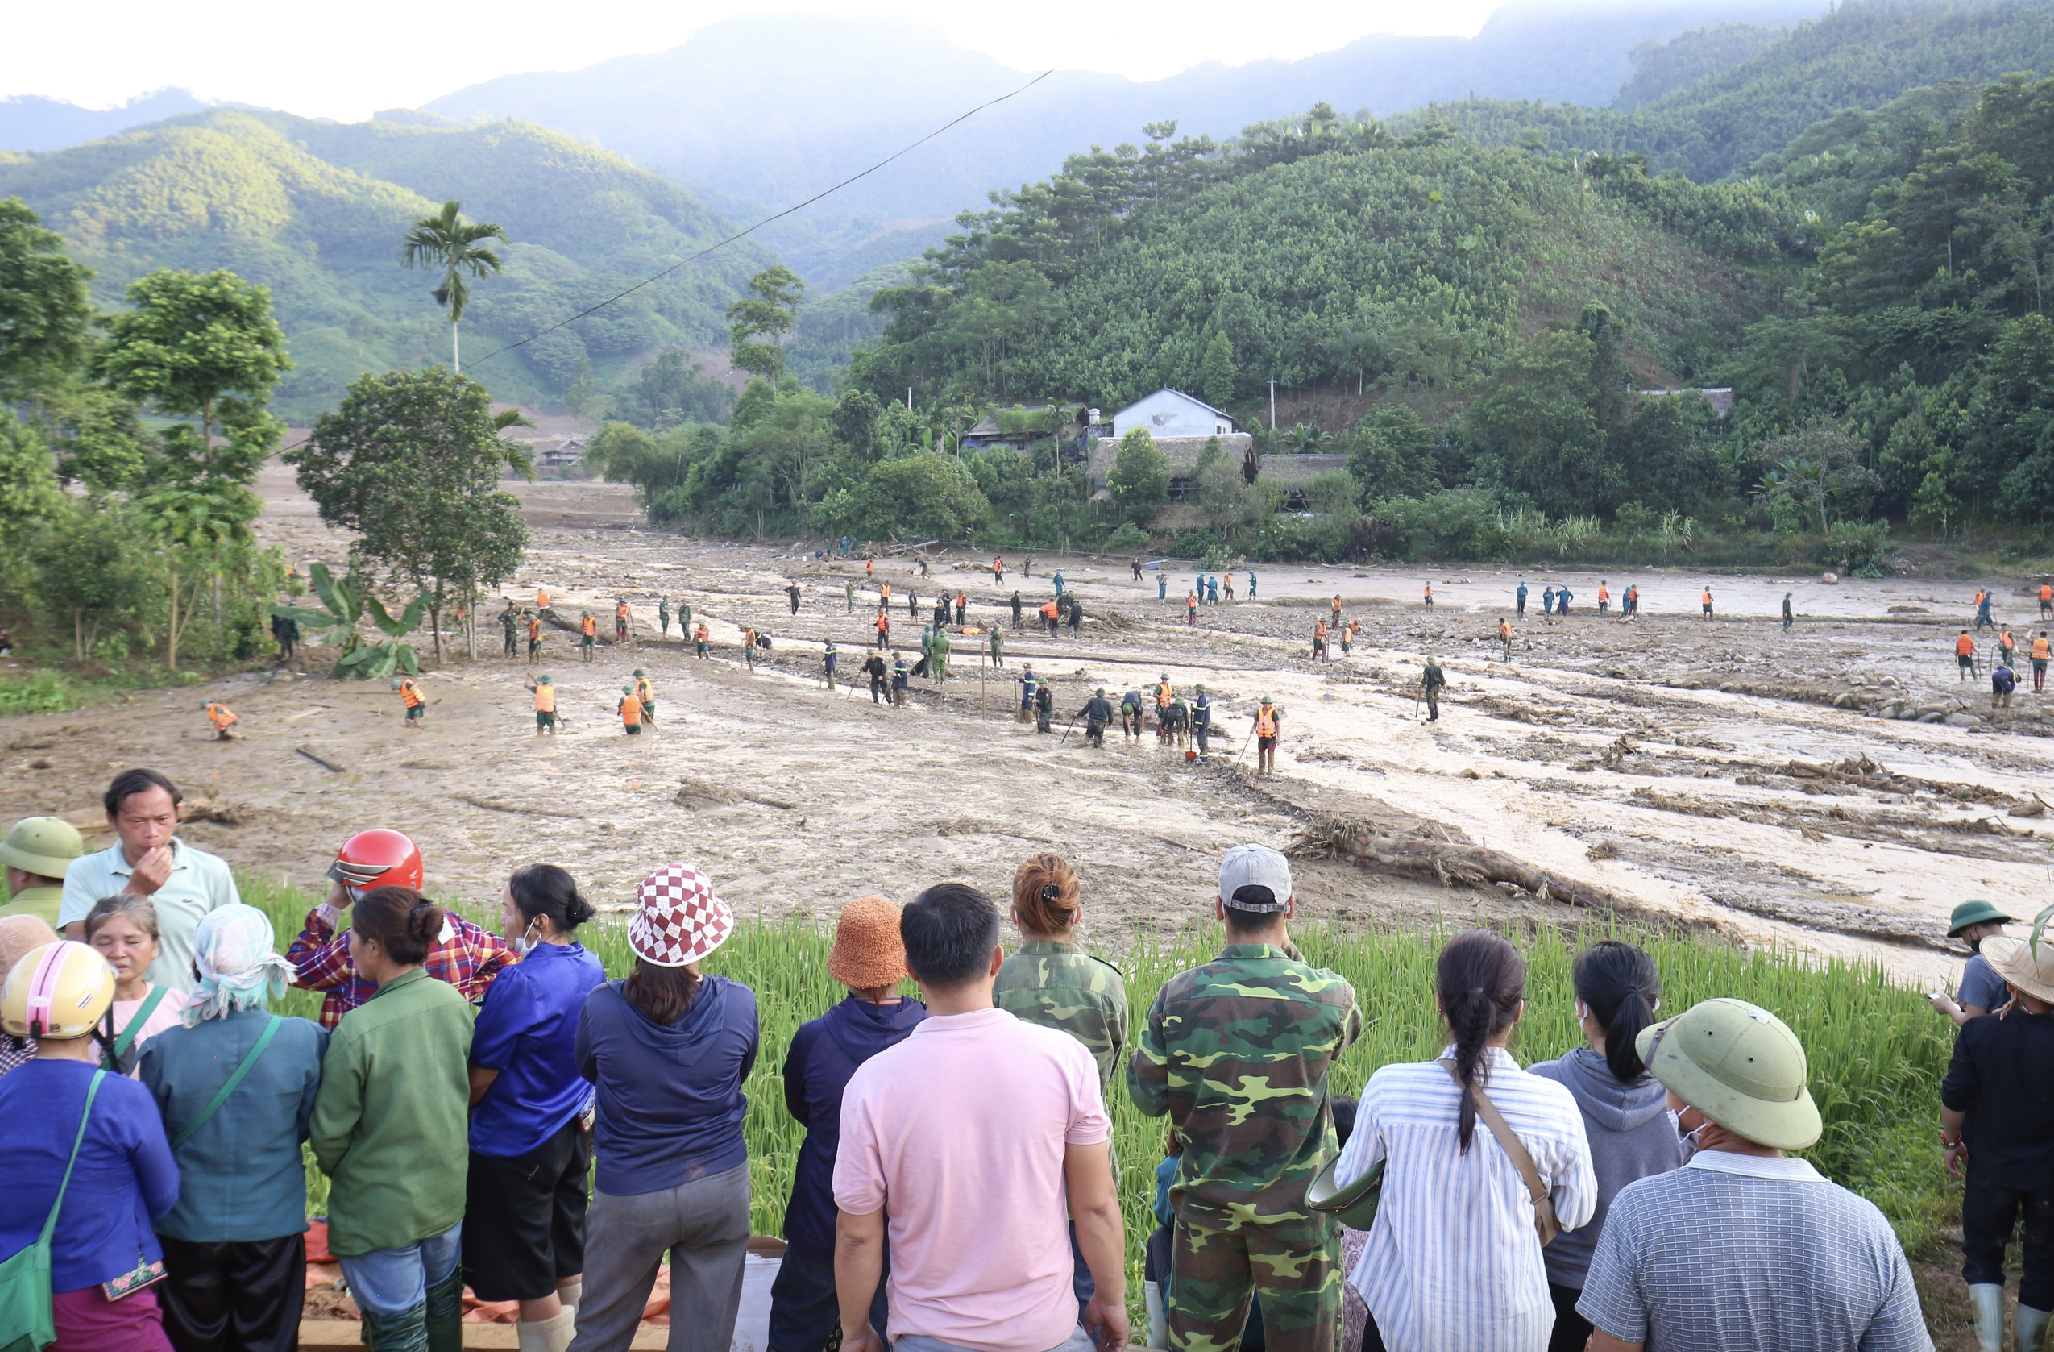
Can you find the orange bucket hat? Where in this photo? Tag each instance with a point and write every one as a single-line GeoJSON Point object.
{"type": "Point", "coordinates": [868, 951]}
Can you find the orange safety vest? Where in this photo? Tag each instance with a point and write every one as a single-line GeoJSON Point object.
{"type": "Point", "coordinates": [1429, 589]}
{"type": "Point", "coordinates": [883, 623]}
{"type": "Point", "coordinates": [1604, 592]}
{"type": "Point", "coordinates": [534, 629]}
{"type": "Point", "coordinates": [1964, 646]}
{"type": "Point", "coordinates": [1266, 723]}
{"type": "Point", "coordinates": [1319, 629]}
{"type": "Point", "coordinates": [2046, 593]}
{"type": "Point", "coordinates": [620, 613]}
{"type": "Point", "coordinates": [884, 590]}
{"type": "Point", "coordinates": [1504, 629]}
{"type": "Point", "coordinates": [590, 626]}
{"type": "Point", "coordinates": [410, 694]}
{"type": "Point", "coordinates": [1049, 610]}
{"type": "Point", "coordinates": [630, 711]}
{"type": "Point", "coordinates": [541, 599]}
{"type": "Point", "coordinates": [701, 635]}
{"type": "Point", "coordinates": [642, 690]}
{"type": "Point", "coordinates": [998, 565]}
{"type": "Point", "coordinates": [2039, 649]}
{"type": "Point", "coordinates": [1163, 694]}
{"type": "Point", "coordinates": [220, 715]}
{"type": "Point", "coordinates": [545, 698]}
{"type": "Point", "coordinates": [1191, 600]}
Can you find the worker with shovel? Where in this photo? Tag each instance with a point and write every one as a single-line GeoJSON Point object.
{"type": "Point", "coordinates": [545, 704]}
{"type": "Point", "coordinates": [1430, 682]}
{"type": "Point", "coordinates": [1096, 713]}
{"type": "Point", "coordinates": [1268, 723]}
{"type": "Point", "coordinates": [1201, 720]}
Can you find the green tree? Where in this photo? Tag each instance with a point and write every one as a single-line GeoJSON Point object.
{"type": "Point", "coordinates": [45, 313]}
{"type": "Point", "coordinates": [1392, 453]}
{"type": "Point", "coordinates": [758, 322]}
{"type": "Point", "coordinates": [455, 246]}
{"type": "Point", "coordinates": [1814, 468]}
{"type": "Point", "coordinates": [1217, 374]}
{"type": "Point", "coordinates": [1140, 476]}
{"type": "Point", "coordinates": [28, 490]}
{"type": "Point", "coordinates": [923, 496]}
{"type": "Point", "coordinates": [91, 568]}
{"type": "Point", "coordinates": [411, 461]}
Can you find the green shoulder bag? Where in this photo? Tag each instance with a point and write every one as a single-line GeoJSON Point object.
{"type": "Point", "coordinates": [25, 1278]}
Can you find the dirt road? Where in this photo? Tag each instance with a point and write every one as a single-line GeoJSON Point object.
{"type": "Point", "coordinates": [1694, 771]}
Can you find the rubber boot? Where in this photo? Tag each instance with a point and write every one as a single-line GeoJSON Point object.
{"type": "Point", "coordinates": [2027, 1326]}
{"type": "Point", "coordinates": [547, 1335]}
{"type": "Point", "coordinates": [1986, 1301]}
{"type": "Point", "coordinates": [404, 1332]}
{"type": "Point", "coordinates": [444, 1315]}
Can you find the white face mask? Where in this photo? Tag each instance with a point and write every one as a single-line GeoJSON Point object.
{"type": "Point", "coordinates": [526, 943]}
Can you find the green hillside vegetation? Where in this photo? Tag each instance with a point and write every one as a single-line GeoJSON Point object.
{"type": "Point", "coordinates": [1862, 54]}
{"type": "Point", "coordinates": [315, 210]}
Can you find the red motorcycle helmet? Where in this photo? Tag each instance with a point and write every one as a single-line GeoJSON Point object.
{"type": "Point", "coordinates": [377, 858]}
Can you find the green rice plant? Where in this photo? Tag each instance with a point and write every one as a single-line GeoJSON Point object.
{"type": "Point", "coordinates": [1876, 1051]}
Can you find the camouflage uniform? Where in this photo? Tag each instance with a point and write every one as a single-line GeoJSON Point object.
{"type": "Point", "coordinates": [1058, 985]}
{"type": "Point", "coordinates": [1236, 1052]}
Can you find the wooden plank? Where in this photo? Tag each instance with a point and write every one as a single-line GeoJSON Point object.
{"type": "Point", "coordinates": [334, 1333]}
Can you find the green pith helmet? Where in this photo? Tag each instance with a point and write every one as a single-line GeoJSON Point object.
{"type": "Point", "coordinates": [627, 690]}
{"type": "Point", "coordinates": [1266, 699]}
{"type": "Point", "coordinates": [640, 672]}
{"type": "Point", "coordinates": [1976, 912]}
{"type": "Point", "coordinates": [1165, 676]}
{"type": "Point", "coordinates": [1740, 1066]}
{"type": "Point", "coordinates": [205, 702]}
{"type": "Point", "coordinates": [44, 846]}
{"type": "Point", "coordinates": [395, 683]}
{"type": "Point", "coordinates": [542, 680]}
{"type": "Point", "coordinates": [1199, 688]}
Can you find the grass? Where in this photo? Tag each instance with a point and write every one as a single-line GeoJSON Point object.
{"type": "Point", "coordinates": [1876, 1051]}
{"type": "Point", "coordinates": [48, 691]}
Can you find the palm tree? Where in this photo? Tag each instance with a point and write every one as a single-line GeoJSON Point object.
{"type": "Point", "coordinates": [448, 241]}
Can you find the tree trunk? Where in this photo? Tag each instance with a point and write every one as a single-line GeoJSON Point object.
{"type": "Point", "coordinates": [435, 625]}
{"type": "Point", "coordinates": [471, 623]}
{"type": "Point", "coordinates": [171, 629]}
{"type": "Point", "coordinates": [456, 366]}
{"type": "Point", "coordinates": [78, 640]}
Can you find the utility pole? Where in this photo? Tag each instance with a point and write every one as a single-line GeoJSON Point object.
{"type": "Point", "coordinates": [1273, 406]}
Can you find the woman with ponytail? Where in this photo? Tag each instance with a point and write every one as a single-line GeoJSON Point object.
{"type": "Point", "coordinates": [1625, 1110]}
{"type": "Point", "coordinates": [1454, 1257]}
{"type": "Point", "coordinates": [389, 1130]}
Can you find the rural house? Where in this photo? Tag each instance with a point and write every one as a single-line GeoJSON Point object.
{"type": "Point", "coordinates": [1172, 413]}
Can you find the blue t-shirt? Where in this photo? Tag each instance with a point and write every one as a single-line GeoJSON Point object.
{"type": "Point", "coordinates": [526, 1031]}
{"type": "Point", "coordinates": [1981, 986]}
{"type": "Point", "coordinates": [124, 1178]}
{"type": "Point", "coordinates": [670, 1096]}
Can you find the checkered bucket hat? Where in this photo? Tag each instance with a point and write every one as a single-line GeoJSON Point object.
{"type": "Point", "coordinates": [679, 921]}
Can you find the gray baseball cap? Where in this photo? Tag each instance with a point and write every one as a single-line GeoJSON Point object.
{"type": "Point", "coordinates": [1255, 866]}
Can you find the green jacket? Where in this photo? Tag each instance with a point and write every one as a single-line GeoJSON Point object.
{"type": "Point", "coordinates": [41, 902]}
{"type": "Point", "coordinates": [1237, 1052]}
{"type": "Point", "coordinates": [1060, 986]}
{"type": "Point", "coordinates": [392, 1116]}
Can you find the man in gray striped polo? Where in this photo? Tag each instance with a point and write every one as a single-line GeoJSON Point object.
{"type": "Point", "coordinates": [1745, 1247]}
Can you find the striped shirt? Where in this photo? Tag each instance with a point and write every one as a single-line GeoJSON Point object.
{"type": "Point", "coordinates": [1453, 1260]}
{"type": "Point", "coordinates": [1735, 1251]}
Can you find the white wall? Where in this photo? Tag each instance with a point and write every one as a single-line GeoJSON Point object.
{"type": "Point", "coordinates": [1171, 413]}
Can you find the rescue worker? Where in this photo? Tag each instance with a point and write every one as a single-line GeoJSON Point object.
{"type": "Point", "coordinates": [1028, 685]}
{"type": "Point", "coordinates": [1431, 680]}
{"type": "Point", "coordinates": [1519, 600]}
{"type": "Point", "coordinates": [792, 592]}
{"type": "Point", "coordinates": [509, 623]}
{"type": "Point", "coordinates": [1269, 721]}
{"type": "Point", "coordinates": [827, 656]}
{"type": "Point", "coordinates": [1201, 720]}
{"type": "Point", "coordinates": [2047, 600]}
{"type": "Point", "coordinates": [1505, 636]}
{"type": "Point", "coordinates": [1337, 611]}
{"type": "Point", "coordinates": [1016, 610]}
{"type": "Point", "coordinates": [849, 591]}
{"type": "Point", "coordinates": [1212, 587]}
{"type": "Point", "coordinates": [1044, 708]}
{"type": "Point", "coordinates": [1076, 614]}
{"type": "Point", "coordinates": [1604, 598]}
{"type": "Point", "coordinates": [1788, 618]}
{"type": "Point", "coordinates": [1176, 723]}
{"type": "Point", "coordinates": [662, 617]}
{"type": "Point", "coordinates": [883, 629]}
{"type": "Point", "coordinates": [2007, 647]}
{"type": "Point", "coordinates": [630, 711]}
{"type": "Point", "coordinates": [1162, 585]}
{"type": "Point", "coordinates": [1251, 584]}
{"type": "Point", "coordinates": [1191, 609]}
{"type": "Point", "coordinates": [1131, 717]}
{"type": "Point", "coordinates": [1548, 601]}
{"type": "Point", "coordinates": [589, 630]}
{"type": "Point", "coordinates": [1429, 596]}
{"type": "Point", "coordinates": [2040, 654]}
{"type": "Point", "coordinates": [1051, 616]}
{"type": "Point", "coordinates": [534, 637]}
{"type": "Point", "coordinates": [998, 647]}
{"type": "Point", "coordinates": [938, 659]}
{"type": "Point", "coordinates": [1347, 632]}
{"type": "Point", "coordinates": [749, 647]}
{"type": "Point", "coordinates": [873, 667]}
{"type": "Point", "coordinates": [1965, 656]}
{"type": "Point", "coordinates": [542, 603]}
{"type": "Point", "coordinates": [545, 705]}
{"type": "Point", "coordinates": [1984, 596]}
{"type": "Point", "coordinates": [962, 608]}
{"type": "Point", "coordinates": [411, 699]}
{"type": "Point", "coordinates": [899, 679]}
{"type": "Point", "coordinates": [998, 572]}
{"type": "Point", "coordinates": [646, 693]}
{"type": "Point", "coordinates": [2002, 683]}
{"type": "Point", "coordinates": [620, 620]}
{"type": "Point", "coordinates": [1136, 564]}
{"type": "Point", "coordinates": [684, 615]}
{"type": "Point", "coordinates": [701, 641]}
{"type": "Point", "coordinates": [1319, 640]}
{"type": "Point", "coordinates": [223, 720]}
{"type": "Point", "coordinates": [1562, 599]}
{"type": "Point", "coordinates": [1705, 600]}
{"type": "Point", "coordinates": [1096, 713]}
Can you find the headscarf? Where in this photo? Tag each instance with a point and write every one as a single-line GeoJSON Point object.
{"type": "Point", "coordinates": [239, 967]}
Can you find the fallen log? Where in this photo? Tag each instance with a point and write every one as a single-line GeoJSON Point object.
{"type": "Point", "coordinates": [320, 759]}
{"type": "Point", "coordinates": [1471, 865]}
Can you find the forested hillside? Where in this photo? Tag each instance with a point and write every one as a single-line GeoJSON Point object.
{"type": "Point", "coordinates": [315, 211]}
{"type": "Point", "coordinates": [1861, 55]}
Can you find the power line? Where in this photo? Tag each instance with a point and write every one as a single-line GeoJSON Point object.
{"type": "Point", "coordinates": [768, 219]}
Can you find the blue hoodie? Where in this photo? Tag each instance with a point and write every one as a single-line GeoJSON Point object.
{"type": "Point", "coordinates": [824, 1054]}
{"type": "Point", "coordinates": [670, 1097]}
{"type": "Point", "coordinates": [1632, 1135]}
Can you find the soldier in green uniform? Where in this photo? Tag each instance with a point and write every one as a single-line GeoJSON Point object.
{"type": "Point", "coordinates": [1052, 981]}
{"type": "Point", "coordinates": [938, 656]}
{"type": "Point", "coordinates": [1237, 1053]}
{"type": "Point", "coordinates": [509, 620]}
{"type": "Point", "coordinates": [998, 647]}
{"type": "Point", "coordinates": [1431, 680]}
{"type": "Point", "coordinates": [663, 617]}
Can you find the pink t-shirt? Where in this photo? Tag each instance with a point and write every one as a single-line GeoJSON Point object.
{"type": "Point", "coordinates": [167, 1014]}
{"type": "Point", "coordinates": [959, 1134]}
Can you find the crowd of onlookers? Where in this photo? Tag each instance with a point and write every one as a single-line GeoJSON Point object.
{"type": "Point", "coordinates": [492, 1112]}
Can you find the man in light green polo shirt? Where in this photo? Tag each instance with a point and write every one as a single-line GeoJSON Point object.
{"type": "Point", "coordinates": [149, 861]}
{"type": "Point", "coordinates": [37, 852]}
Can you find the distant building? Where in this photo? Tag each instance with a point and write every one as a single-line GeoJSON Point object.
{"type": "Point", "coordinates": [563, 453]}
{"type": "Point", "coordinates": [1172, 413]}
{"type": "Point", "coordinates": [1289, 474]}
{"type": "Point", "coordinates": [1720, 399]}
{"type": "Point", "coordinates": [1182, 453]}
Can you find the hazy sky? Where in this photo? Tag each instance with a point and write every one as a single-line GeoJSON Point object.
{"type": "Point", "coordinates": [346, 61]}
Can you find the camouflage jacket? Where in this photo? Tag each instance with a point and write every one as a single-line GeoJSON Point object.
{"type": "Point", "coordinates": [1059, 985]}
{"type": "Point", "coordinates": [1236, 1052]}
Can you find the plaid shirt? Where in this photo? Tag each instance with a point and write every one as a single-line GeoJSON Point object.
{"type": "Point", "coordinates": [464, 955]}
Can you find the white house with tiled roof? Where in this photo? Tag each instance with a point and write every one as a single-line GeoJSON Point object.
{"type": "Point", "coordinates": [1172, 413]}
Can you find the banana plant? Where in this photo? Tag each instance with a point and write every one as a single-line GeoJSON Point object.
{"type": "Point", "coordinates": [345, 602]}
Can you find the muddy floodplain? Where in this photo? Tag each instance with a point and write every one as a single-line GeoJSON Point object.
{"type": "Point", "coordinates": [1835, 787]}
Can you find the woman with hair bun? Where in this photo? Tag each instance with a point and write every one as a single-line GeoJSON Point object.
{"type": "Point", "coordinates": [1626, 1115]}
{"type": "Point", "coordinates": [1454, 1257]}
{"type": "Point", "coordinates": [389, 1129]}
{"type": "Point", "coordinates": [531, 1128]}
